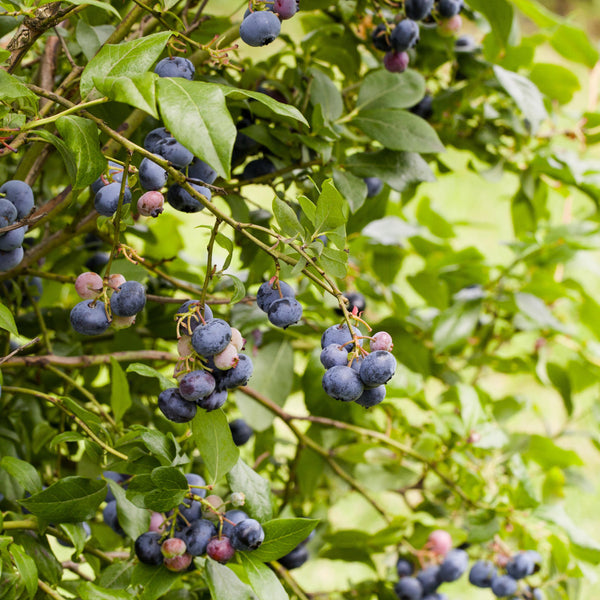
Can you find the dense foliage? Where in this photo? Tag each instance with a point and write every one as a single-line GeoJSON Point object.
{"type": "Point", "coordinates": [196, 196]}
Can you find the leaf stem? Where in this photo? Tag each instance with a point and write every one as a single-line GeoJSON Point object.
{"type": "Point", "coordinates": [68, 111]}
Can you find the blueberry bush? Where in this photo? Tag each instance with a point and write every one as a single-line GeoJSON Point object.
{"type": "Point", "coordinates": [297, 300]}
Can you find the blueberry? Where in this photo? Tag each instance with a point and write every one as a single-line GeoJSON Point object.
{"type": "Point", "coordinates": [449, 8]}
{"type": "Point", "coordinates": [106, 199]}
{"type": "Point", "coordinates": [235, 516]}
{"type": "Point", "coordinates": [286, 9]}
{"type": "Point", "coordinates": [213, 401]}
{"type": "Point", "coordinates": [189, 324]}
{"type": "Point", "coordinates": [129, 299]}
{"type": "Point", "coordinates": [212, 337]}
{"type": "Point", "coordinates": [260, 28]}
{"type": "Point", "coordinates": [259, 167]}
{"type": "Point", "coordinates": [109, 514]}
{"type": "Point", "coordinates": [152, 140]}
{"type": "Point", "coordinates": [180, 199]}
{"type": "Point", "coordinates": [380, 38]}
{"type": "Point", "coordinates": [247, 535]}
{"type": "Point", "coordinates": [465, 43]}
{"type": "Point", "coordinates": [267, 293]}
{"type": "Point", "coordinates": [355, 299]}
{"type": "Point", "coordinates": [504, 585]}
{"type": "Point", "coordinates": [8, 212]}
{"type": "Point", "coordinates": [89, 318]}
{"type": "Point", "coordinates": [196, 482]}
{"type": "Point", "coordinates": [150, 204]}
{"type": "Point", "coordinates": [417, 9]}
{"type": "Point", "coordinates": [429, 579]}
{"type": "Point", "coordinates": [114, 476]}
{"type": "Point", "coordinates": [372, 396]}
{"type": "Point", "coordinates": [177, 154]}
{"type": "Point", "coordinates": [196, 385]}
{"type": "Point", "coordinates": [115, 173]}
{"type": "Point", "coordinates": [238, 375]}
{"type": "Point", "coordinates": [152, 176]}
{"type": "Point", "coordinates": [405, 35]}
{"type": "Point", "coordinates": [201, 171]}
{"type": "Point", "coordinates": [285, 312]}
{"type": "Point", "coordinates": [9, 260]}
{"type": "Point", "coordinates": [408, 588]}
{"type": "Point", "coordinates": [197, 536]}
{"type": "Point", "coordinates": [97, 261]}
{"type": "Point", "coordinates": [454, 565]}
{"type": "Point", "coordinates": [423, 108]}
{"type": "Point", "coordinates": [174, 407]}
{"type": "Point", "coordinates": [435, 596]}
{"type": "Point", "coordinates": [482, 573]}
{"type": "Point", "coordinates": [147, 548]}
{"type": "Point", "coordinates": [220, 549]}
{"type": "Point", "coordinates": [521, 565]}
{"type": "Point", "coordinates": [334, 355]}
{"type": "Point", "coordinates": [377, 368]}
{"type": "Point", "coordinates": [339, 334]}
{"type": "Point", "coordinates": [20, 194]}
{"type": "Point", "coordinates": [404, 567]}
{"type": "Point", "coordinates": [241, 432]}
{"type": "Point", "coordinates": [175, 66]}
{"type": "Point", "coordinates": [342, 383]}
{"type": "Point", "coordinates": [396, 62]}
{"type": "Point", "coordinates": [295, 558]}
{"type": "Point", "coordinates": [374, 186]}
{"type": "Point", "coordinates": [189, 510]}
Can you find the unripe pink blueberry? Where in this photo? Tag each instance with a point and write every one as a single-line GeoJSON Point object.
{"type": "Point", "coordinates": [396, 62]}
{"type": "Point", "coordinates": [184, 345]}
{"type": "Point", "coordinates": [151, 204]}
{"type": "Point", "coordinates": [173, 547]}
{"type": "Point", "coordinates": [88, 285]}
{"type": "Point", "coordinates": [122, 322]}
{"type": "Point", "coordinates": [228, 358]}
{"type": "Point", "coordinates": [439, 542]}
{"type": "Point", "coordinates": [237, 340]}
{"type": "Point", "coordinates": [450, 26]}
{"type": "Point", "coordinates": [382, 340]}
{"type": "Point", "coordinates": [178, 564]}
{"type": "Point", "coordinates": [157, 522]}
{"type": "Point", "coordinates": [216, 502]}
{"type": "Point", "coordinates": [115, 280]}
{"type": "Point", "coordinates": [237, 499]}
{"type": "Point", "coordinates": [220, 550]}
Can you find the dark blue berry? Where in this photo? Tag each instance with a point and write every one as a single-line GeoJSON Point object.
{"type": "Point", "coordinates": [247, 535]}
{"type": "Point", "coordinates": [238, 375]}
{"type": "Point", "coordinates": [201, 171]}
{"type": "Point", "coordinates": [8, 212]}
{"type": "Point", "coordinates": [449, 8]}
{"type": "Point", "coordinates": [180, 199]}
{"type": "Point", "coordinates": [147, 548]}
{"type": "Point", "coordinates": [339, 335]}
{"type": "Point", "coordinates": [89, 318]}
{"type": "Point", "coordinates": [197, 536]}
{"type": "Point", "coordinates": [377, 368]}
{"type": "Point", "coordinates": [520, 566]}
{"type": "Point", "coordinates": [177, 154]}
{"type": "Point", "coordinates": [405, 35]}
{"type": "Point", "coordinates": [417, 9]}
{"type": "Point", "coordinates": [482, 573]}
{"type": "Point", "coordinates": [241, 432]}
{"type": "Point", "coordinates": [342, 383]}
{"type": "Point", "coordinates": [189, 324]}
{"type": "Point", "coordinates": [504, 585]}
{"type": "Point", "coordinates": [408, 588]}
{"type": "Point", "coordinates": [109, 514]}
{"type": "Point", "coordinates": [153, 139]}
{"type": "Point", "coordinates": [152, 176]}
{"type": "Point", "coordinates": [211, 337]}
{"type": "Point", "coordinates": [380, 38]}
{"type": "Point", "coordinates": [106, 200]}
{"type": "Point", "coordinates": [285, 312]}
{"type": "Point", "coordinates": [454, 565]}
{"type": "Point", "coordinates": [372, 396]}
{"type": "Point", "coordinates": [128, 299]}
{"type": "Point", "coordinates": [174, 407]}
{"type": "Point", "coordinates": [259, 167]}
{"type": "Point", "coordinates": [260, 28]}
{"type": "Point", "coordinates": [213, 401]}
{"type": "Point", "coordinates": [175, 66]}
{"type": "Point", "coordinates": [235, 516]}
{"type": "Point", "coordinates": [429, 579]}
{"type": "Point", "coordinates": [295, 558]}
{"type": "Point", "coordinates": [13, 239]}
{"type": "Point", "coordinates": [196, 385]}
{"type": "Point", "coordinates": [20, 194]}
{"type": "Point", "coordinates": [404, 567]}
{"type": "Point", "coordinates": [267, 293]}
{"type": "Point", "coordinates": [334, 355]}
{"type": "Point", "coordinates": [9, 260]}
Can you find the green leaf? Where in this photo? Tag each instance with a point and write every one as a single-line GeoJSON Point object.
{"type": "Point", "coordinates": [353, 188]}
{"type": "Point", "coordinates": [154, 581]}
{"type": "Point", "coordinates": [242, 478]}
{"type": "Point", "coordinates": [224, 584]}
{"type": "Point", "coordinates": [107, 6]}
{"type": "Point", "coordinates": [500, 15]}
{"type": "Point", "coordinates": [574, 44]}
{"type": "Point", "coordinates": [81, 137]}
{"type": "Point", "coordinates": [332, 208]}
{"type": "Point", "coordinates": [456, 324]}
{"type": "Point", "coordinates": [70, 500]}
{"type": "Point", "coordinates": [238, 287]}
{"type": "Point", "coordinates": [13, 89]}
{"type": "Point", "coordinates": [555, 81]}
{"type": "Point", "coordinates": [272, 377]}
{"type": "Point", "coordinates": [282, 536]}
{"type": "Point", "coordinates": [133, 520]}
{"type": "Point", "coordinates": [7, 321]}
{"type": "Point", "coordinates": [25, 473]}
{"type": "Point", "coordinates": [308, 208]}
{"type": "Point", "coordinates": [398, 130]}
{"type": "Point", "coordinates": [90, 38]}
{"type": "Point", "coordinates": [26, 568]}
{"type": "Point", "coordinates": [126, 59]}
{"type": "Point", "coordinates": [334, 262]}
{"type": "Point", "coordinates": [63, 150]}
{"type": "Point", "coordinates": [161, 491]}
{"type": "Point", "coordinates": [325, 95]}
{"type": "Point", "coordinates": [286, 218]}
{"type": "Point", "coordinates": [146, 371]}
{"type": "Point", "coordinates": [526, 96]}
{"type": "Point", "coordinates": [207, 129]}
{"type": "Point", "coordinates": [77, 534]}
{"type": "Point", "coordinates": [212, 437]}
{"type": "Point", "coordinates": [120, 398]}
{"type": "Point", "coordinates": [263, 580]}
{"type": "Point", "coordinates": [381, 89]}
{"type": "Point", "coordinates": [90, 591]}
{"type": "Point", "coordinates": [138, 91]}
{"type": "Point", "coordinates": [536, 310]}
{"type": "Point", "coordinates": [561, 381]}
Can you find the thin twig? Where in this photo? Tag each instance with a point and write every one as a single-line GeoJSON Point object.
{"type": "Point", "coordinates": [35, 340]}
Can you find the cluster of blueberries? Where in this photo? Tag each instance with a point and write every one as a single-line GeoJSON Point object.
{"type": "Point", "coordinates": [447, 564]}
{"type": "Point", "coordinates": [353, 374]}
{"type": "Point", "coordinates": [261, 27]}
{"type": "Point", "coordinates": [16, 202]}
{"type": "Point", "coordinates": [397, 40]}
{"type": "Point", "coordinates": [217, 346]}
{"type": "Point", "coordinates": [107, 189]}
{"type": "Point", "coordinates": [92, 316]}
{"type": "Point", "coordinates": [278, 300]}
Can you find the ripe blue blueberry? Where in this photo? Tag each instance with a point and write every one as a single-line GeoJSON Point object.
{"type": "Point", "coordinates": [504, 585]}
{"type": "Point", "coordinates": [180, 199]}
{"type": "Point", "coordinates": [408, 588]}
{"type": "Point", "coordinates": [449, 8]}
{"type": "Point", "coordinates": [267, 294]}
{"type": "Point", "coordinates": [247, 535]}
{"type": "Point", "coordinates": [175, 66]}
{"type": "Point", "coordinates": [295, 558]}
{"type": "Point", "coordinates": [355, 300]}
{"type": "Point", "coordinates": [521, 565]}
{"type": "Point", "coordinates": [153, 139]}
{"type": "Point", "coordinates": [417, 9]}
{"type": "Point", "coordinates": [106, 199]}
{"type": "Point", "coordinates": [377, 368]}
{"type": "Point", "coordinates": [213, 401]}
{"type": "Point", "coordinates": [196, 384]}
{"type": "Point", "coordinates": [285, 312]}
{"type": "Point", "coordinates": [334, 355]}
{"type": "Point", "coordinates": [196, 482]}
{"type": "Point", "coordinates": [20, 194]}
{"type": "Point", "coordinates": [114, 476]}
{"type": "Point", "coordinates": [147, 548]}
{"type": "Point", "coordinates": [197, 536]}
{"type": "Point", "coordinates": [405, 35]}
{"type": "Point", "coordinates": [174, 407]}
{"type": "Point", "coordinates": [404, 567]}
{"type": "Point", "coordinates": [423, 108]}
{"type": "Point", "coordinates": [482, 573]}
{"type": "Point", "coordinates": [128, 299]}
{"type": "Point", "coordinates": [12, 239]}
{"type": "Point", "coordinates": [342, 383]}
{"type": "Point", "coordinates": [374, 186]}
{"type": "Point", "coordinates": [189, 324]}
{"type": "Point", "coordinates": [429, 578]}
{"type": "Point", "coordinates": [89, 318]}
{"type": "Point", "coordinates": [238, 375]}
{"type": "Point", "coordinates": [241, 432]}
{"type": "Point", "coordinates": [115, 173]}
{"type": "Point", "coordinates": [260, 28]}
{"type": "Point", "coordinates": [380, 38]}
{"type": "Point", "coordinates": [8, 212]}
{"type": "Point", "coordinates": [109, 514]}
{"type": "Point", "coordinates": [372, 396]}
{"type": "Point", "coordinates": [339, 335]}
{"type": "Point", "coordinates": [177, 154]}
{"type": "Point", "coordinates": [435, 596]}
{"type": "Point", "coordinates": [201, 171]}
{"type": "Point", "coordinates": [9, 260]}
{"type": "Point", "coordinates": [212, 337]}
{"type": "Point", "coordinates": [152, 176]}
{"type": "Point", "coordinates": [189, 510]}
{"type": "Point", "coordinates": [454, 565]}
{"type": "Point", "coordinates": [234, 515]}
{"type": "Point", "coordinates": [259, 167]}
